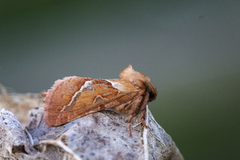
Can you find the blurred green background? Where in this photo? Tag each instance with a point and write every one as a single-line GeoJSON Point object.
{"type": "Point", "coordinates": [189, 49]}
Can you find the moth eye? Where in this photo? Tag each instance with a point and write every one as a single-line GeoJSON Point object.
{"type": "Point", "coordinates": [151, 95]}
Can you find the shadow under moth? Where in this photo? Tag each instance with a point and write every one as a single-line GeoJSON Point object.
{"type": "Point", "coordinates": [74, 97]}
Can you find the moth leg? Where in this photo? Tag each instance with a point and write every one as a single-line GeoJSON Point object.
{"type": "Point", "coordinates": [143, 113]}
{"type": "Point", "coordinates": [143, 109]}
{"type": "Point", "coordinates": [134, 111]}
{"type": "Point", "coordinates": [129, 124]}
{"type": "Point", "coordinates": [129, 105]}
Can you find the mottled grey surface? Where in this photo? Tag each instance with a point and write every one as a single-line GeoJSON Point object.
{"type": "Point", "coordinates": [13, 139]}
{"type": "Point", "coordinates": [102, 135]}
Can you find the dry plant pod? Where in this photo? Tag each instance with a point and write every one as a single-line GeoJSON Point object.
{"type": "Point", "coordinates": [74, 97]}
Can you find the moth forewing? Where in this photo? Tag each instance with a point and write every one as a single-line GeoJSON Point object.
{"type": "Point", "coordinates": [74, 97]}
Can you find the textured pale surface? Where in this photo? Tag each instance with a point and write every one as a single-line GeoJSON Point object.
{"type": "Point", "coordinates": [19, 104]}
{"type": "Point", "coordinates": [100, 135]}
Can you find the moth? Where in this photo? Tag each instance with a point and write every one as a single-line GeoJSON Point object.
{"type": "Point", "coordinates": [74, 97]}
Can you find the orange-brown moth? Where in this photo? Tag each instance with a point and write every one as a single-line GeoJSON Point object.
{"type": "Point", "coordinates": [74, 97]}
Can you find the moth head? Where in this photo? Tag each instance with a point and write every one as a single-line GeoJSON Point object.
{"type": "Point", "coordinates": [139, 80]}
